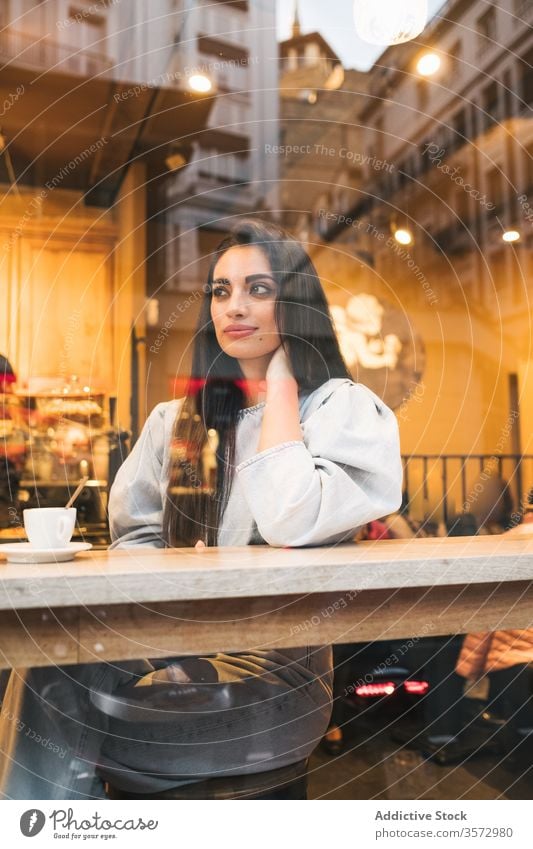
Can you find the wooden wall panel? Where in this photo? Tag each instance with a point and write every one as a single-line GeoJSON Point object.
{"type": "Point", "coordinates": [65, 292]}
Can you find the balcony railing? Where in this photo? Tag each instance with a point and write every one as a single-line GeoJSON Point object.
{"type": "Point", "coordinates": [21, 49]}
{"type": "Point", "coordinates": [440, 486]}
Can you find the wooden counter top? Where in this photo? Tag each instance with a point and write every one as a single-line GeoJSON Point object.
{"type": "Point", "coordinates": [150, 574]}
{"type": "Point", "coordinates": [142, 602]}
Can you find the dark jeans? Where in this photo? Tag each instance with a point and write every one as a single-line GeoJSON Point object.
{"type": "Point", "coordinates": [442, 706]}
{"type": "Point", "coordinates": [511, 694]}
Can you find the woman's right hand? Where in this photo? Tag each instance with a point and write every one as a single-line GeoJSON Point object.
{"type": "Point", "coordinates": [281, 419]}
{"type": "Point", "coordinates": [279, 366]}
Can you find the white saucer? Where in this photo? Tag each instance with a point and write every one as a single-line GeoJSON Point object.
{"type": "Point", "coordinates": [25, 552]}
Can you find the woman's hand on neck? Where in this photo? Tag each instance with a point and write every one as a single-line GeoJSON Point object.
{"type": "Point", "coordinates": [279, 375]}
{"type": "Point", "coordinates": [281, 419]}
{"type": "Point", "coordinates": [255, 385]}
{"type": "Point", "coordinates": [269, 379]}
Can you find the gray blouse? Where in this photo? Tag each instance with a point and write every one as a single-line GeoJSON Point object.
{"type": "Point", "coordinates": [346, 472]}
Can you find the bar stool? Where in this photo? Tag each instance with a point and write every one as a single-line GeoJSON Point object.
{"type": "Point", "coordinates": [289, 782]}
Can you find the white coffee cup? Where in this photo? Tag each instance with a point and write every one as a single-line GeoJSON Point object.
{"type": "Point", "coordinates": [49, 527]}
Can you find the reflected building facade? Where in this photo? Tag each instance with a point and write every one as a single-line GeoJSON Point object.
{"type": "Point", "coordinates": [227, 173]}
{"type": "Point", "coordinates": [457, 148]}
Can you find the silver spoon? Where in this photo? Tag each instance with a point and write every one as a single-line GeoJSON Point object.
{"type": "Point", "coordinates": [76, 492]}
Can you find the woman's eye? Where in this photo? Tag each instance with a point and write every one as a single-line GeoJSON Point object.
{"type": "Point", "coordinates": [260, 289]}
{"type": "Point", "coordinates": [219, 292]}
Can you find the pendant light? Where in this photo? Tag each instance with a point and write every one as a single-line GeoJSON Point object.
{"type": "Point", "coordinates": [390, 21]}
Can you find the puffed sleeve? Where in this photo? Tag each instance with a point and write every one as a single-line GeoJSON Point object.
{"type": "Point", "coordinates": [345, 473]}
{"type": "Point", "coordinates": [135, 500]}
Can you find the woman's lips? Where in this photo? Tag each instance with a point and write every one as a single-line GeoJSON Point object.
{"type": "Point", "coordinates": [239, 332]}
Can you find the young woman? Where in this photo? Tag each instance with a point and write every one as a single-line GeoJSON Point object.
{"type": "Point", "coordinates": [304, 457]}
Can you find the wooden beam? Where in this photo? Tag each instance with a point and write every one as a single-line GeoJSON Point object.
{"type": "Point", "coordinates": [129, 631]}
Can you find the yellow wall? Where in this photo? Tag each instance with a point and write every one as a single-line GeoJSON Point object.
{"type": "Point", "coordinates": [72, 278]}
{"type": "Point", "coordinates": [57, 284]}
{"type": "Point", "coordinates": [129, 213]}
{"type": "Point", "coordinates": [525, 380]}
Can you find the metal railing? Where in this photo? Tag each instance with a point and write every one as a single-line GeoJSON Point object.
{"type": "Point", "coordinates": [439, 486]}
{"type": "Point", "coordinates": [32, 51]}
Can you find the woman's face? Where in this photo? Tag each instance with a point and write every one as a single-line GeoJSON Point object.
{"type": "Point", "coordinates": [243, 305]}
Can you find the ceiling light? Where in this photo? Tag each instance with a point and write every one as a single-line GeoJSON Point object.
{"type": "Point", "coordinates": [511, 236]}
{"type": "Point", "coordinates": [428, 64]}
{"type": "Point", "coordinates": [403, 236]}
{"type": "Point", "coordinates": [199, 83]}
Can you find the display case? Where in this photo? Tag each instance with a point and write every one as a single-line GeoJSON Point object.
{"type": "Point", "coordinates": [67, 432]}
{"type": "Point", "coordinates": [14, 439]}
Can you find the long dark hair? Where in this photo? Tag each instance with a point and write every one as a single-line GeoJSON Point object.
{"type": "Point", "coordinates": [215, 394]}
